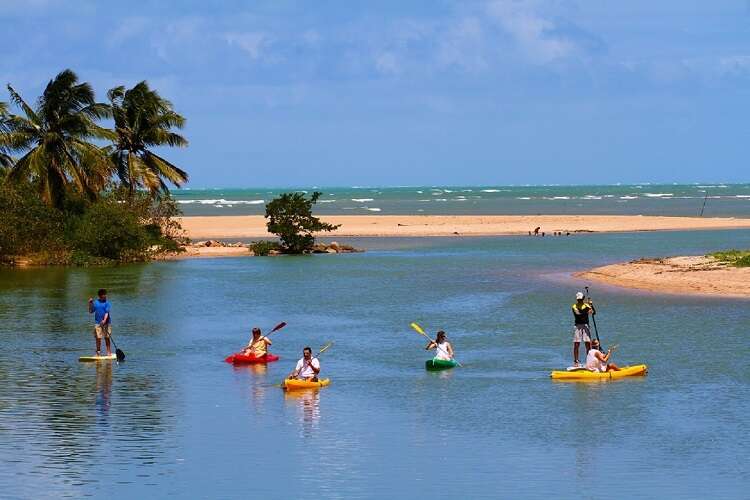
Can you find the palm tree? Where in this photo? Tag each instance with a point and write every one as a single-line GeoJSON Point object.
{"type": "Point", "coordinates": [6, 161]}
{"type": "Point", "coordinates": [54, 137]}
{"type": "Point", "coordinates": [143, 120]}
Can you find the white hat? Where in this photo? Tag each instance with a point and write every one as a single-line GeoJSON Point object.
{"type": "Point", "coordinates": [579, 296]}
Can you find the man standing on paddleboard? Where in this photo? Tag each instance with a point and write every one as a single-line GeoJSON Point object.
{"type": "Point", "coordinates": [581, 330]}
{"type": "Point", "coordinates": [100, 308]}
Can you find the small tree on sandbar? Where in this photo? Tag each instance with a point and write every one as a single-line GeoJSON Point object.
{"type": "Point", "coordinates": [290, 217]}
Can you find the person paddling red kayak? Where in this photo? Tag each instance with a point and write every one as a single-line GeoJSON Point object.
{"type": "Point", "coordinates": [256, 350]}
{"type": "Point", "coordinates": [258, 345]}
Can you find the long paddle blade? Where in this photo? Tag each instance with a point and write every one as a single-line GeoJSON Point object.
{"type": "Point", "coordinates": [120, 355]}
{"type": "Point", "coordinates": [277, 327]}
{"type": "Point", "coordinates": [324, 349]}
{"type": "Point", "coordinates": [419, 330]}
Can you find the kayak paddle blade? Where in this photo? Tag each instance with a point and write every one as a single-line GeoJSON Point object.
{"type": "Point", "coordinates": [278, 327]}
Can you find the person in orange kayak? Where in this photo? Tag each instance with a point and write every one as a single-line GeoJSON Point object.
{"type": "Point", "coordinates": [596, 361]}
{"type": "Point", "coordinates": [581, 329]}
{"type": "Point", "coordinates": [443, 348]}
{"type": "Point", "coordinates": [258, 345]}
{"type": "Point", "coordinates": [307, 368]}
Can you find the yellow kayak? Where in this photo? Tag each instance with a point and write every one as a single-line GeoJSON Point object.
{"type": "Point", "coordinates": [294, 384]}
{"type": "Point", "coordinates": [625, 371]}
{"type": "Point", "coordinates": [97, 358]}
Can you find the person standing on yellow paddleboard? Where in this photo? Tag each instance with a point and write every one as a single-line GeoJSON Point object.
{"type": "Point", "coordinates": [581, 329]}
{"type": "Point", "coordinates": [101, 308]}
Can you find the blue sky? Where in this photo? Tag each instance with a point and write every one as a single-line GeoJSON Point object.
{"type": "Point", "coordinates": [282, 93]}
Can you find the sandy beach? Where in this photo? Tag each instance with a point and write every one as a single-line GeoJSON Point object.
{"type": "Point", "coordinates": [692, 275]}
{"type": "Point", "coordinates": [254, 226]}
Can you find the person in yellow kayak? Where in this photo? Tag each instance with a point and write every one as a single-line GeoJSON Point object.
{"type": "Point", "coordinates": [597, 361]}
{"type": "Point", "coordinates": [258, 345]}
{"type": "Point", "coordinates": [581, 329]}
{"type": "Point", "coordinates": [443, 348]}
{"type": "Point", "coordinates": [307, 368]}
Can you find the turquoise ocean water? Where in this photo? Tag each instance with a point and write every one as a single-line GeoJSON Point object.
{"type": "Point", "coordinates": [647, 199]}
{"type": "Point", "coordinates": [174, 419]}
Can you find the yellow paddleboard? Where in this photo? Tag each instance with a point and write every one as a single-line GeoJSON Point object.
{"type": "Point", "coordinates": [97, 358]}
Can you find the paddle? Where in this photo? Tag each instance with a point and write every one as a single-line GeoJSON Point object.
{"type": "Point", "coordinates": [120, 355]}
{"type": "Point", "coordinates": [593, 316]}
{"type": "Point", "coordinates": [419, 330]}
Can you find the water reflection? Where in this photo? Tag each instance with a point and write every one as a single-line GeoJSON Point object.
{"type": "Point", "coordinates": [308, 408]}
{"type": "Point", "coordinates": [103, 389]}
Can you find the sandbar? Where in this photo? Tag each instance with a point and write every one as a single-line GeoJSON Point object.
{"type": "Point", "coordinates": [254, 226]}
{"type": "Point", "coordinates": [690, 275]}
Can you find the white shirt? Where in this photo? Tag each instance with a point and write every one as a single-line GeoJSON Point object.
{"type": "Point", "coordinates": [306, 372]}
{"type": "Point", "coordinates": [441, 352]}
{"type": "Point", "coordinates": [593, 363]}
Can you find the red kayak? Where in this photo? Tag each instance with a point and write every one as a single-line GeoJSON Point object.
{"type": "Point", "coordinates": [240, 359]}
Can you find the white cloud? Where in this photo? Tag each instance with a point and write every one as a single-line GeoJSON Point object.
{"type": "Point", "coordinates": [387, 62]}
{"type": "Point", "coordinates": [127, 29]}
{"type": "Point", "coordinates": [462, 46]}
{"type": "Point", "coordinates": [252, 43]}
{"type": "Point", "coordinates": [533, 33]}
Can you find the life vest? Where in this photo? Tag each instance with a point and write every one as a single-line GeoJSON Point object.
{"type": "Point", "coordinates": [581, 315]}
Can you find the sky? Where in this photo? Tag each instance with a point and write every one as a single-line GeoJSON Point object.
{"type": "Point", "coordinates": [389, 93]}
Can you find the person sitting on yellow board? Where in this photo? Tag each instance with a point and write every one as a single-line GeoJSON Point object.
{"type": "Point", "coordinates": [443, 348]}
{"type": "Point", "coordinates": [307, 368]}
{"type": "Point", "coordinates": [596, 361]}
{"type": "Point", "coordinates": [581, 330]}
{"type": "Point", "coordinates": [258, 345]}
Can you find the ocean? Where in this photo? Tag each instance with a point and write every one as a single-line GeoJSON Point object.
{"type": "Point", "coordinates": [175, 420]}
{"type": "Point", "coordinates": [725, 200]}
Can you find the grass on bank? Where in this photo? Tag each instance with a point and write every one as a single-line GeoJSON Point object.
{"type": "Point", "coordinates": [736, 258]}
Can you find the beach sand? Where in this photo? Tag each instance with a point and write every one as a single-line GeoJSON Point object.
{"type": "Point", "coordinates": [254, 226]}
{"type": "Point", "coordinates": [694, 275]}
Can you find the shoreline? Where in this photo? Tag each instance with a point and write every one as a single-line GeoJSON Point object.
{"type": "Point", "coordinates": [254, 226]}
{"type": "Point", "coordinates": [685, 275]}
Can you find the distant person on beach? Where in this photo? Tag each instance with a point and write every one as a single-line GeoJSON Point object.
{"type": "Point", "coordinates": [443, 348]}
{"type": "Point", "coordinates": [258, 345]}
{"type": "Point", "coordinates": [581, 329]}
{"type": "Point", "coordinates": [307, 368]}
{"type": "Point", "coordinates": [596, 361]}
{"type": "Point", "coordinates": [536, 231]}
{"type": "Point", "coordinates": [101, 308]}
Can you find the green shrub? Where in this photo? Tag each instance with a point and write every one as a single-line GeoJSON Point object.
{"type": "Point", "coordinates": [290, 217]}
{"type": "Point", "coordinates": [27, 224]}
{"type": "Point", "coordinates": [263, 248]}
{"type": "Point", "coordinates": [111, 230]}
{"type": "Point", "coordinates": [737, 258]}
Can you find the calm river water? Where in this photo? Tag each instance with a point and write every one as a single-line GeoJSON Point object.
{"type": "Point", "coordinates": [174, 419]}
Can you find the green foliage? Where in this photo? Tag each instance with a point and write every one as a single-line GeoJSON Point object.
{"type": "Point", "coordinates": [736, 258]}
{"type": "Point", "coordinates": [290, 217]}
{"type": "Point", "coordinates": [263, 248]}
{"type": "Point", "coordinates": [28, 225]}
{"type": "Point", "coordinates": [66, 199]}
{"type": "Point", "coordinates": [110, 230]}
